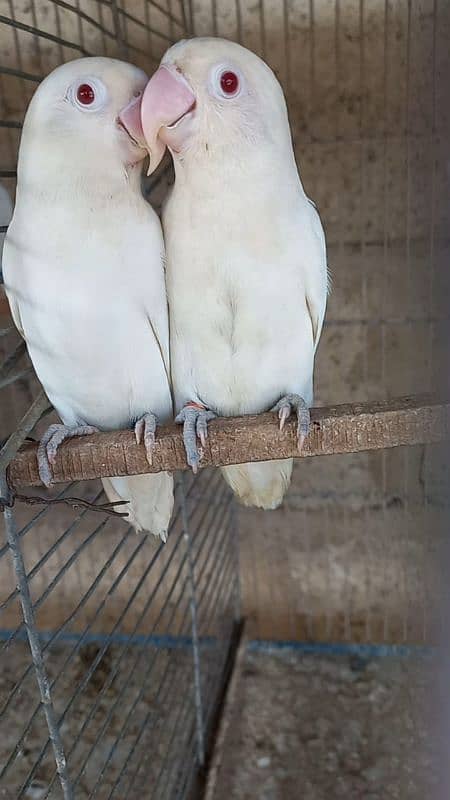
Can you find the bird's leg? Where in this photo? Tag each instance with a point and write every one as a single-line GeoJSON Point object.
{"type": "Point", "coordinates": [194, 417]}
{"type": "Point", "coordinates": [144, 431]}
{"type": "Point", "coordinates": [48, 447]}
{"type": "Point", "coordinates": [285, 407]}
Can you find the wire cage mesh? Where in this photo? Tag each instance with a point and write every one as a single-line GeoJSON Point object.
{"type": "Point", "coordinates": [133, 663]}
{"type": "Point", "coordinates": [131, 639]}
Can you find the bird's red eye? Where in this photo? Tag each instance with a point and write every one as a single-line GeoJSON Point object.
{"type": "Point", "coordinates": [85, 94]}
{"type": "Point", "coordinates": [229, 82]}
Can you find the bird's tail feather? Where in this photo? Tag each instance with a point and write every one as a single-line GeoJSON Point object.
{"type": "Point", "coordinates": [261, 484]}
{"type": "Point", "coordinates": [150, 499]}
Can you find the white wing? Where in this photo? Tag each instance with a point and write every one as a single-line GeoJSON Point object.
{"type": "Point", "coordinates": [8, 269]}
{"type": "Point", "coordinates": [316, 274]}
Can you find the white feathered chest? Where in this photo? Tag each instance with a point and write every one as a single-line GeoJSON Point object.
{"type": "Point", "coordinates": [84, 295]}
{"type": "Point", "coordinates": [241, 332]}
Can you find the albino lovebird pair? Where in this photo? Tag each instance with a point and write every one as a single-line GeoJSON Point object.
{"type": "Point", "coordinates": [218, 313]}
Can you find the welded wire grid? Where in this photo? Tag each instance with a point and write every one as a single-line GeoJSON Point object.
{"type": "Point", "coordinates": [129, 637]}
{"type": "Point", "coordinates": [130, 675]}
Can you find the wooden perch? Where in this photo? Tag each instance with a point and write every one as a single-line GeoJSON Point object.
{"type": "Point", "coordinates": [334, 429]}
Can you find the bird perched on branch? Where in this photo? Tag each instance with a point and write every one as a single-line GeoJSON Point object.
{"type": "Point", "coordinates": [246, 258]}
{"type": "Point", "coordinates": [84, 270]}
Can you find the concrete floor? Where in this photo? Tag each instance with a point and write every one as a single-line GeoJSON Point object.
{"type": "Point", "coordinates": [323, 727]}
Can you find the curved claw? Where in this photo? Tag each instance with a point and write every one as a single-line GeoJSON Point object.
{"type": "Point", "coordinates": [284, 413]}
{"type": "Point", "coordinates": [144, 431]}
{"type": "Point", "coordinates": [194, 419]}
{"type": "Point", "coordinates": [285, 407]}
{"type": "Point", "coordinates": [48, 447]}
{"type": "Point", "coordinates": [202, 428]}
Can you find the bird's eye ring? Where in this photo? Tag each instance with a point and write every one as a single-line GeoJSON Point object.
{"type": "Point", "coordinates": [89, 94]}
{"type": "Point", "coordinates": [226, 81]}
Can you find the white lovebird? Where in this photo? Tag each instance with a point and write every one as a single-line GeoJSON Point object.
{"type": "Point", "coordinates": [246, 259]}
{"type": "Point", "coordinates": [83, 265]}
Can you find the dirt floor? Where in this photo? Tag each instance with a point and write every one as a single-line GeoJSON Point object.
{"type": "Point", "coordinates": [117, 736]}
{"type": "Point", "coordinates": [320, 727]}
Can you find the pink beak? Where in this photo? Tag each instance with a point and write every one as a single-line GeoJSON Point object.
{"type": "Point", "coordinates": [166, 99]}
{"type": "Point", "coordinates": [130, 118]}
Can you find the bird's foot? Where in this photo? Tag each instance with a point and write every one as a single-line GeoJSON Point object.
{"type": "Point", "coordinates": [144, 431]}
{"type": "Point", "coordinates": [48, 447]}
{"type": "Point", "coordinates": [194, 417]}
{"type": "Point", "coordinates": [285, 407]}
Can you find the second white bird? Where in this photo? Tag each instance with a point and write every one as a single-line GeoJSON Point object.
{"type": "Point", "coordinates": [246, 258]}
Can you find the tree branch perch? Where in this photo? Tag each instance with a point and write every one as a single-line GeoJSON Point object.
{"type": "Point", "coordinates": [334, 429]}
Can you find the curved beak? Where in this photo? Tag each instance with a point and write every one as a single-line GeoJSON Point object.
{"type": "Point", "coordinates": [166, 100]}
{"type": "Point", "coordinates": [130, 119]}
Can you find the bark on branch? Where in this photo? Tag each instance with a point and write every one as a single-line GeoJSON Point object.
{"type": "Point", "coordinates": [334, 429]}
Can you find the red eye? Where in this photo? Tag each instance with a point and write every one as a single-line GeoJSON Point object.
{"type": "Point", "coordinates": [229, 82]}
{"type": "Point", "coordinates": [85, 94]}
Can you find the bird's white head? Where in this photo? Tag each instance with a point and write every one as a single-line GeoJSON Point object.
{"type": "Point", "coordinates": [86, 116]}
{"type": "Point", "coordinates": [215, 97]}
